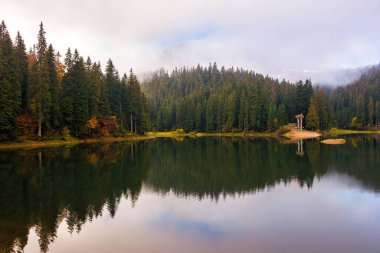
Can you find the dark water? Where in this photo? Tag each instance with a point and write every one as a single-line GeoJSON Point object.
{"type": "Point", "coordinates": [204, 195]}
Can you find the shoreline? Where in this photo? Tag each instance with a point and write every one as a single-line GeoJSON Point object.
{"type": "Point", "coordinates": [292, 134]}
{"type": "Point", "coordinates": [175, 134]}
{"type": "Point", "coordinates": [336, 132]}
{"type": "Point", "coordinates": [52, 143]}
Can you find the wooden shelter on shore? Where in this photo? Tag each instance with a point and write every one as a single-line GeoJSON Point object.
{"type": "Point", "coordinates": [299, 118]}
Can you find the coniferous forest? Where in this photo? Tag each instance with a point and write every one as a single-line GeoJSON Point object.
{"type": "Point", "coordinates": [234, 100]}
{"type": "Point", "coordinates": [44, 96]}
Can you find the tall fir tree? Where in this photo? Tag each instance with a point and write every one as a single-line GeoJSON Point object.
{"type": "Point", "coordinates": [54, 89]}
{"type": "Point", "coordinates": [68, 90]}
{"type": "Point", "coordinates": [80, 105]}
{"type": "Point", "coordinates": [10, 90]}
{"type": "Point", "coordinates": [113, 85]}
{"type": "Point", "coordinates": [312, 118]}
{"type": "Point", "coordinates": [39, 93]}
{"type": "Point", "coordinates": [371, 112]}
{"type": "Point", "coordinates": [22, 68]}
{"type": "Point", "coordinates": [377, 112]}
{"type": "Point", "coordinates": [95, 78]}
{"type": "Point", "coordinates": [124, 101]}
{"type": "Point", "coordinates": [323, 108]}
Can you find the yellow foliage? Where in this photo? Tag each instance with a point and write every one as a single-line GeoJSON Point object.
{"type": "Point", "coordinates": [92, 123]}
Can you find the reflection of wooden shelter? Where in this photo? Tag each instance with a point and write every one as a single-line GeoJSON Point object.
{"type": "Point", "coordinates": [300, 151]}
{"type": "Point", "coordinates": [299, 118]}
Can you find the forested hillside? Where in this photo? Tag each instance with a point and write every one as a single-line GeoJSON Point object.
{"type": "Point", "coordinates": [357, 105]}
{"type": "Point", "coordinates": [230, 100]}
{"type": "Point", "coordinates": [227, 100]}
{"type": "Point", "coordinates": [42, 96]}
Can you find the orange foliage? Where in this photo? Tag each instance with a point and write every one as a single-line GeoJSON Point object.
{"type": "Point", "coordinates": [26, 124]}
{"type": "Point", "coordinates": [110, 125]}
{"type": "Point", "coordinates": [92, 125]}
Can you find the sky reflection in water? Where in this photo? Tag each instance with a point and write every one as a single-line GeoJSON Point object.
{"type": "Point", "coordinates": [163, 202]}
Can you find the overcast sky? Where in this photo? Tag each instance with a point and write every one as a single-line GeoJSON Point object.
{"type": "Point", "coordinates": [289, 39]}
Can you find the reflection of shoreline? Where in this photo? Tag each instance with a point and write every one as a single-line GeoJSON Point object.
{"type": "Point", "coordinates": [39, 187]}
{"type": "Point", "coordinates": [42, 144]}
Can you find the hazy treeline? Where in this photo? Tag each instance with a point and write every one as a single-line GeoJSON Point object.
{"type": "Point", "coordinates": [41, 95]}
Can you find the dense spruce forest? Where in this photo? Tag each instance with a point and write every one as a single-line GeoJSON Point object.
{"type": "Point", "coordinates": [357, 105]}
{"type": "Point", "coordinates": [234, 100]}
{"type": "Point", "coordinates": [42, 96]}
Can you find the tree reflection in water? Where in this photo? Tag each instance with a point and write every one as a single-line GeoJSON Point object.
{"type": "Point", "coordinates": [41, 188]}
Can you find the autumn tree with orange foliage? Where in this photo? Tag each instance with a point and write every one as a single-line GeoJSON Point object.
{"type": "Point", "coordinates": [92, 125]}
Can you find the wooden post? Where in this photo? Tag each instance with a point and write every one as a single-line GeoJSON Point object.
{"type": "Point", "coordinates": [298, 124]}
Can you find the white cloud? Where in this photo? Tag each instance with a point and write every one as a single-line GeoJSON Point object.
{"type": "Point", "coordinates": [267, 36]}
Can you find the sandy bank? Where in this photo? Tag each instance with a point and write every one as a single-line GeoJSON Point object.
{"type": "Point", "coordinates": [304, 134]}
{"type": "Point", "coordinates": [334, 141]}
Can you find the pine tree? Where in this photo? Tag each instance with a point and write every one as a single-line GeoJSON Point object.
{"type": "Point", "coordinates": [113, 85]}
{"type": "Point", "coordinates": [80, 106]}
{"type": "Point", "coordinates": [303, 96]}
{"type": "Point", "coordinates": [273, 119]}
{"type": "Point", "coordinates": [39, 94]}
{"type": "Point", "coordinates": [231, 112]}
{"type": "Point", "coordinates": [124, 101]}
{"type": "Point", "coordinates": [371, 112]}
{"type": "Point", "coordinates": [94, 80]}
{"type": "Point", "coordinates": [68, 90]}
{"type": "Point", "coordinates": [282, 119]}
{"type": "Point", "coordinates": [22, 68]}
{"type": "Point", "coordinates": [133, 91]}
{"type": "Point", "coordinates": [55, 114]}
{"type": "Point", "coordinates": [259, 114]}
{"type": "Point", "coordinates": [377, 113]}
{"type": "Point", "coordinates": [312, 118]}
{"type": "Point", "coordinates": [75, 95]}
{"type": "Point", "coordinates": [10, 90]}
{"type": "Point", "coordinates": [323, 108]}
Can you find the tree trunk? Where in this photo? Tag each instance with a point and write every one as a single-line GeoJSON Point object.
{"type": "Point", "coordinates": [121, 121]}
{"type": "Point", "coordinates": [39, 121]}
{"type": "Point", "coordinates": [131, 123]}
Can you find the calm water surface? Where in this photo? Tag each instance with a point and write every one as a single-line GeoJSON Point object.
{"type": "Point", "coordinates": [203, 195]}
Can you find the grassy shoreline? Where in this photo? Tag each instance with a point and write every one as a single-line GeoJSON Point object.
{"type": "Point", "coordinates": [336, 132]}
{"type": "Point", "coordinates": [176, 134]}
{"type": "Point", "coordinates": [73, 141]}
{"type": "Point", "coordinates": [152, 135]}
